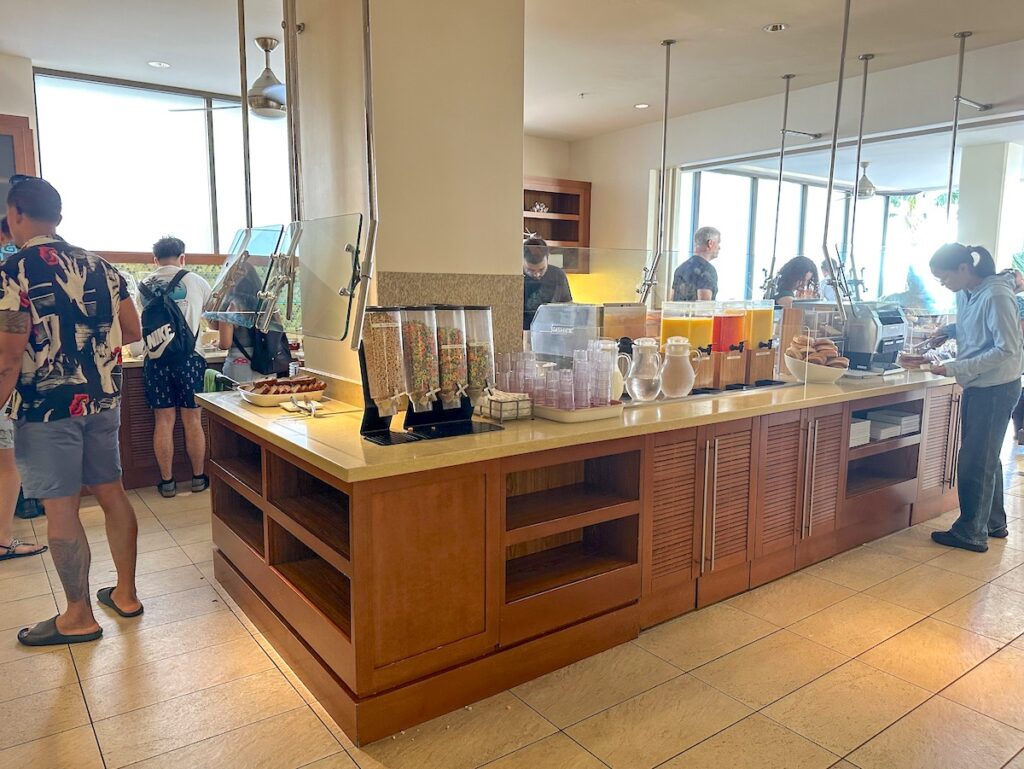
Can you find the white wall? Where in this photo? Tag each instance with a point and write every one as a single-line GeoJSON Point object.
{"type": "Point", "coordinates": [17, 95]}
{"type": "Point", "coordinates": [545, 157]}
{"type": "Point", "coordinates": [907, 97]}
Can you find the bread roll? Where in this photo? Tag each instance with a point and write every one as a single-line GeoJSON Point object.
{"type": "Point", "coordinates": [803, 341]}
{"type": "Point", "coordinates": [839, 363]}
{"type": "Point", "coordinates": [817, 359]}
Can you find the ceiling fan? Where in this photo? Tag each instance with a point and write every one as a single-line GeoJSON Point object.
{"type": "Point", "coordinates": [266, 97]}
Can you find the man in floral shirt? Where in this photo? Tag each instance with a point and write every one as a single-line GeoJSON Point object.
{"type": "Point", "coordinates": [63, 319]}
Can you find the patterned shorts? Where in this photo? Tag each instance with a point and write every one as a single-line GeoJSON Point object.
{"type": "Point", "coordinates": [175, 385]}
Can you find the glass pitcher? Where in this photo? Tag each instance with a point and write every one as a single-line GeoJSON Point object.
{"type": "Point", "coordinates": [643, 380]}
{"type": "Point", "coordinates": [678, 373]}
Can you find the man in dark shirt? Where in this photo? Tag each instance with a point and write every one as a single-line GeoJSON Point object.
{"type": "Point", "coordinates": [696, 279]}
{"type": "Point", "coordinates": [543, 283]}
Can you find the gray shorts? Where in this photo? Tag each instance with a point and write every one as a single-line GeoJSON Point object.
{"type": "Point", "coordinates": [6, 433]}
{"type": "Point", "coordinates": [56, 459]}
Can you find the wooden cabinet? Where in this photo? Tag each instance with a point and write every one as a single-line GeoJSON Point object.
{"type": "Point", "coordinates": [780, 497]}
{"type": "Point", "coordinates": [727, 507]}
{"type": "Point", "coordinates": [824, 479]}
{"type": "Point", "coordinates": [936, 489]}
{"type": "Point", "coordinates": [566, 222]}
{"type": "Point", "coordinates": [17, 150]}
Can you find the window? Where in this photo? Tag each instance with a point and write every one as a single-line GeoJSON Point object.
{"type": "Point", "coordinates": [916, 227]}
{"type": "Point", "coordinates": [867, 244]}
{"type": "Point", "coordinates": [133, 163]}
{"type": "Point", "coordinates": [764, 229]}
{"type": "Point", "coordinates": [725, 205]}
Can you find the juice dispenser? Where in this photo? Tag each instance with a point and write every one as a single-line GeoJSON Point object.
{"type": "Point", "coordinates": [675, 320]}
{"type": "Point", "coordinates": [701, 341]}
{"type": "Point", "coordinates": [624, 320]}
{"type": "Point", "coordinates": [729, 360]}
{"type": "Point", "coordinates": [760, 336]}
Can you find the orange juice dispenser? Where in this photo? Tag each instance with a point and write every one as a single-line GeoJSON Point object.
{"type": "Point", "coordinates": [694, 321]}
{"type": "Point", "coordinates": [675, 321]}
{"type": "Point", "coordinates": [759, 331]}
{"type": "Point", "coordinates": [729, 344]}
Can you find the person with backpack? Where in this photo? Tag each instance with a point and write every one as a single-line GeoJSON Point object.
{"type": "Point", "coordinates": [252, 354]}
{"type": "Point", "coordinates": [171, 299]}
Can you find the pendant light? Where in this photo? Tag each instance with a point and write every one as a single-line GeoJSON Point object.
{"type": "Point", "coordinates": [267, 96]}
{"type": "Point", "coordinates": [865, 187]}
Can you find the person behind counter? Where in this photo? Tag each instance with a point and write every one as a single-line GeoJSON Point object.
{"type": "Point", "coordinates": [251, 353]}
{"type": "Point", "coordinates": [797, 277]}
{"type": "Point", "coordinates": [172, 381]}
{"type": "Point", "coordinates": [696, 279]}
{"type": "Point", "coordinates": [543, 283]}
{"type": "Point", "coordinates": [988, 367]}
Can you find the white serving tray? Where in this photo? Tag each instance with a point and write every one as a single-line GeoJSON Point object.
{"type": "Point", "coordinates": [267, 401]}
{"type": "Point", "coordinates": [579, 415]}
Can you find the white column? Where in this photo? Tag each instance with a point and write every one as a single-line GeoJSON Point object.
{"type": "Point", "coordinates": [991, 208]}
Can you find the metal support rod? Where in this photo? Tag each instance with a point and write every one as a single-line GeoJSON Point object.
{"type": "Point", "coordinates": [244, 79]}
{"type": "Point", "coordinates": [366, 268]}
{"type": "Point", "coordinates": [976, 104]}
{"type": "Point", "coordinates": [651, 272]}
{"type": "Point", "coordinates": [866, 58]}
{"type": "Point", "coordinates": [778, 193]}
{"type": "Point", "coordinates": [832, 161]}
{"type": "Point", "coordinates": [794, 132]}
{"type": "Point", "coordinates": [962, 37]}
{"type": "Point", "coordinates": [291, 78]}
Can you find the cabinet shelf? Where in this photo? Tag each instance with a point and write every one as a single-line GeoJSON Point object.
{"type": "Point", "coordinates": [551, 215]}
{"type": "Point", "coordinates": [881, 447]}
{"type": "Point", "coordinates": [557, 567]}
{"type": "Point", "coordinates": [561, 509]}
{"type": "Point", "coordinates": [238, 514]}
{"type": "Point", "coordinates": [245, 469]}
{"type": "Point", "coordinates": [326, 588]}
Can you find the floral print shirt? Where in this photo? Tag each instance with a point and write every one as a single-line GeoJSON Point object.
{"type": "Point", "coordinates": [694, 274]}
{"type": "Point", "coordinates": [72, 362]}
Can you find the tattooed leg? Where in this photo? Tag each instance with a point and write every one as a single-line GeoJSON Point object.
{"type": "Point", "coordinates": [71, 558]}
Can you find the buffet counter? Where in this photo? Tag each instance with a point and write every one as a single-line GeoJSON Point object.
{"type": "Point", "coordinates": [403, 582]}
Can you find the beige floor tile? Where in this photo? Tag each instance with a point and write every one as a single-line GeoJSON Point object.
{"type": "Point", "coordinates": [169, 581]}
{"type": "Point", "coordinates": [941, 735]}
{"type": "Point", "coordinates": [791, 598]}
{"type": "Point", "coordinates": [202, 532]}
{"type": "Point", "coordinates": [769, 669]}
{"type": "Point", "coordinates": [19, 567]}
{"type": "Point", "coordinates": [1017, 762]}
{"type": "Point", "coordinates": [591, 685]}
{"type": "Point", "coordinates": [163, 609]}
{"type": "Point", "coordinates": [39, 715]}
{"type": "Point", "coordinates": [931, 654]}
{"type": "Point", "coordinates": [149, 645]}
{"type": "Point", "coordinates": [173, 724]}
{"type": "Point", "coordinates": [856, 624]}
{"type": "Point", "coordinates": [657, 725]}
{"type": "Point", "coordinates": [11, 650]}
{"type": "Point", "coordinates": [147, 563]}
{"type": "Point", "coordinates": [15, 615]}
{"type": "Point", "coordinates": [184, 500]}
{"type": "Point", "coordinates": [944, 521]}
{"type": "Point", "coordinates": [199, 552]}
{"type": "Point", "coordinates": [704, 635]}
{"type": "Point", "coordinates": [861, 568]}
{"type": "Point", "coordinates": [847, 707]}
{"type": "Point", "coordinates": [754, 743]}
{"type": "Point", "coordinates": [992, 611]}
{"type": "Point", "coordinates": [337, 761]}
{"type": "Point", "coordinates": [185, 518]}
{"type": "Point", "coordinates": [115, 693]}
{"type": "Point", "coordinates": [36, 673]}
{"type": "Point", "coordinates": [994, 688]}
{"type": "Point", "coordinates": [914, 544]}
{"type": "Point", "coordinates": [1013, 579]}
{"type": "Point", "coordinates": [27, 586]}
{"type": "Point", "coordinates": [463, 739]}
{"type": "Point", "coordinates": [287, 741]}
{"type": "Point", "coordinates": [924, 588]}
{"type": "Point", "coordinates": [74, 749]}
{"type": "Point", "coordinates": [554, 751]}
{"type": "Point", "coordinates": [981, 566]}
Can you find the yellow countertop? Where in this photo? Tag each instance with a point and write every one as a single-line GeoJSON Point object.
{"type": "Point", "coordinates": [334, 444]}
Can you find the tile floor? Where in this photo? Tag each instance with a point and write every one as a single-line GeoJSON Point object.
{"type": "Point", "coordinates": [898, 655]}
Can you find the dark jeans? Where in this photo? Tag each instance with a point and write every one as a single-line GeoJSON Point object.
{"type": "Point", "coordinates": [983, 417]}
{"type": "Point", "coordinates": [1018, 414]}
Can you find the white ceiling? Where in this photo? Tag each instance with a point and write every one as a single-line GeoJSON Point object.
{"type": "Point", "coordinates": [907, 164]}
{"type": "Point", "coordinates": [607, 49]}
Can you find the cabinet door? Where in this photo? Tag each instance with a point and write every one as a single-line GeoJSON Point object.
{"type": "Point", "coordinates": [828, 439]}
{"type": "Point", "coordinates": [676, 521]}
{"type": "Point", "coordinates": [780, 475]}
{"type": "Point", "coordinates": [728, 509]}
{"type": "Point", "coordinates": [934, 477]}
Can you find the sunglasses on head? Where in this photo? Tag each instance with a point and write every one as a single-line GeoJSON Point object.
{"type": "Point", "coordinates": [18, 179]}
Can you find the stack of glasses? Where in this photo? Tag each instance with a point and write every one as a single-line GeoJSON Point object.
{"type": "Point", "coordinates": [587, 384]}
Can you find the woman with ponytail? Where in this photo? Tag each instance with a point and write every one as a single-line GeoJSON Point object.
{"type": "Point", "coordinates": [988, 366]}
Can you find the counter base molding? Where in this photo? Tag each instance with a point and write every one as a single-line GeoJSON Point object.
{"type": "Point", "coordinates": [397, 599]}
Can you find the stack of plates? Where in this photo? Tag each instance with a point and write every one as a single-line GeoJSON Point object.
{"type": "Point", "coordinates": [860, 432]}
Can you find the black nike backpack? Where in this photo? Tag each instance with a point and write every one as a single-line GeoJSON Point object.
{"type": "Point", "coordinates": [166, 334]}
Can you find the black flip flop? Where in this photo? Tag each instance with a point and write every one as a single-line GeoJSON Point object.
{"type": "Point", "coordinates": [7, 552]}
{"type": "Point", "coordinates": [105, 596]}
{"type": "Point", "coordinates": [47, 634]}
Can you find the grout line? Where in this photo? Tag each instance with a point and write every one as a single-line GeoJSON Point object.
{"type": "Point", "coordinates": [85, 701]}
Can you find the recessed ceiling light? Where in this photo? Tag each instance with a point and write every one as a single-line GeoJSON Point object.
{"type": "Point", "coordinates": [777, 26]}
{"type": "Point", "coordinates": [159, 64]}
{"type": "Point", "coordinates": [641, 105]}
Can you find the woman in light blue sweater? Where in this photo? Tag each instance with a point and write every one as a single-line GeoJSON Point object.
{"type": "Point", "coordinates": [988, 366]}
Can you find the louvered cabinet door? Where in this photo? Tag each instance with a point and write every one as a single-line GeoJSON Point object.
{"type": "Point", "coordinates": [675, 486]}
{"type": "Point", "coordinates": [935, 471]}
{"type": "Point", "coordinates": [780, 474]}
{"type": "Point", "coordinates": [827, 440]}
{"type": "Point", "coordinates": [728, 510]}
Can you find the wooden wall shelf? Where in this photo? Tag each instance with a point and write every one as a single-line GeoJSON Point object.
{"type": "Point", "coordinates": [881, 447]}
{"type": "Point", "coordinates": [566, 223]}
{"type": "Point", "coordinates": [557, 567]}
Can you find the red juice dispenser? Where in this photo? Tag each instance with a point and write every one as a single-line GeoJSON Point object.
{"type": "Point", "coordinates": [729, 343]}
